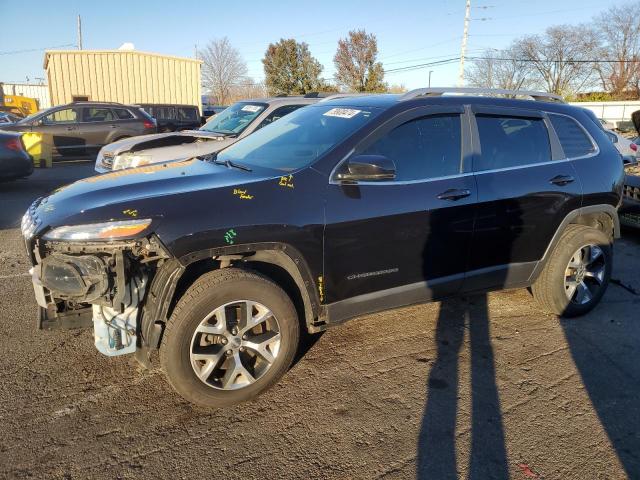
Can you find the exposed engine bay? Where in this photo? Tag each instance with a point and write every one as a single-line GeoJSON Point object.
{"type": "Point", "coordinates": [99, 284]}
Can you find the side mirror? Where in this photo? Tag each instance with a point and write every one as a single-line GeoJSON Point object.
{"type": "Point", "coordinates": [612, 136]}
{"type": "Point", "coordinates": [367, 168]}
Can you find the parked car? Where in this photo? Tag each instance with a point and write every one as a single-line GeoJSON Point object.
{"type": "Point", "coordinates": [343, 208]}
{"type": "Point", "coordinates": [234, 123]}
{"type": "Point", "coordinates": [171, 118]}
{"type": "Point", "coordinates": [6, 117]}
{"type": "Point", "coordinates": [15, 162]}
{"type": "Point", "coordinates": [630, 208]}
{"type": "Point", "coordinates": [627, 148]}
{"type": "Point", "coordinates": [82, 128]}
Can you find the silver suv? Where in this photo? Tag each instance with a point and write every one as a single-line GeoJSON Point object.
{"type": "Point", "coordinates": [232, 124]}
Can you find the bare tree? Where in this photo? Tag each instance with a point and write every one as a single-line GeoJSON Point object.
{"type": "Point", "coordinates": [222, 69]}
{"type": "Point", "coordinates": [356, 63]}
{"type": "Point", "coordinates": [501, 69]}
{"type": "Point", "coordinates": [246, 89]}
{"type": "Point", "coordinates": [619, 30]}
{"type": "Point", "coordinates": [562, 57]}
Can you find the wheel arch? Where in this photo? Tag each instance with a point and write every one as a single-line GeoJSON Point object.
{"type": "Point", "coordinates": [280, 262]}
{"type": "Point", "coordinates": [604, 217]}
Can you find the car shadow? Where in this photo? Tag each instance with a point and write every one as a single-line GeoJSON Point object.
{"type": "Point", "coordinates": [604, 348]}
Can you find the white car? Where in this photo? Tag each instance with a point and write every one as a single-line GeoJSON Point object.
{"type": "Point", "coordinates": [228, 127]}
{"type": "Point", "coordinates": [627, 148]}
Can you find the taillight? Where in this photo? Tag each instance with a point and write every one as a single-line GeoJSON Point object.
{"type": "Point", "coordinates": [149, 124]}
{"type": "Point", "coordinates": [14, 144]}
{"type": "Point", "coordinates": [633, 147]}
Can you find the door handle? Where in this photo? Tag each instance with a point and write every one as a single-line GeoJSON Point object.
{"type": "Point", "coordinates": [562, 180]}
{"type": "Point", "coordinates": [454, 194]}
{"type": "Point", "coordinates": [69, 129]}
{"type": "Point", "coordinates": [114, 126]}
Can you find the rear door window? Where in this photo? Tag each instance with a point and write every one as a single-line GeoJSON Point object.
{"type": "Point", "coordinates": [97, 114]}
{"type": "Point", "coordinates": [573, 139]}
{"type": "Point", "coordinates": [507, 142]}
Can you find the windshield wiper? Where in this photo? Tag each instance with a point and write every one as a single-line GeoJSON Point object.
{"type": "Point", "coordinates": [213, 158]}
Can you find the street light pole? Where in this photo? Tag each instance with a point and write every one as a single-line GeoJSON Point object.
{"type": "Point", "coordinates": [430, 72]}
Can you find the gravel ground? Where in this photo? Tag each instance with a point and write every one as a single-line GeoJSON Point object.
{"type": "Point", "coordinates": [480, 387]}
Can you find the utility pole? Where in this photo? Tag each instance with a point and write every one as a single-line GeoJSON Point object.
{"type": "Point", "coordinates": [79, 33]}
{"type": "Point", "coordinates": [463, 50]}
{"type": "Point", "coordinates": [430, 72]}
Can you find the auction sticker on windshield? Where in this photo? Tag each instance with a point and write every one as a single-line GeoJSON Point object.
{"type": "Point", "coordinates": [251, 108]}
{"type": "Point", "coordinates": [342, 112]}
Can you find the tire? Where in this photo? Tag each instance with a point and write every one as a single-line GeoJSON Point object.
{"type": "Point", "coordinates": [226, 290]}
{"type": "Point", "coordinates": [554, 285]}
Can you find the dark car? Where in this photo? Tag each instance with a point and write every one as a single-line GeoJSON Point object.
{"type": "Point", "coordinates": [82, 128]}
{"type": "Point", "coordinates": [15, 162]}
{"type": "Point", "coordinates": [172, 118]}
{"type": "Point", "coordinates": [339, 209]}
{"type": "Point", "coordinates": [209, 111]}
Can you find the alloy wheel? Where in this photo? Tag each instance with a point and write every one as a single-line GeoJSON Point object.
{"type": "Point", "coordinates": [585, 273]}
{"type": "Point", "coordinates": [235, 344]}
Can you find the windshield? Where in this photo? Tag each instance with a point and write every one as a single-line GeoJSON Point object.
{"type": "Point", "coordinates": [235, 119]}
{"type": "Point", "coordinates": [299, 138]}
{"type": "Point", "coordinates": [29, 118]}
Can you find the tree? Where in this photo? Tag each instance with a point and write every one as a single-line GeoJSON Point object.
{"type": "Point", "coordinates": [356, 63]}
{"type": "Point", "coordinates": [619, 30]}
{"type": "Point", "coordinates": [289, 68]}
{"type": "Point", "coordinates": [562, 57]}
{"type": "Point", "coordinates": [222, 69]}
{"type": "Point", "coordinates": [501, 69]}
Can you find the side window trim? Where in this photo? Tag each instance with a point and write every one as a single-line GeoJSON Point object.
{"type": "Point", "coordinates": [402, 118]}
{"type": "Point", "coordinates": [596, 147]}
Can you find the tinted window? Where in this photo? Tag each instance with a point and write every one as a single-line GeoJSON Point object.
{"type": "Point", "coordinates": [122, 113]}
{"type": "Point", "coordinates": [278, 113]}
{"type": "Point", "coordinates": [188, 114]}
{"type": "Point", "coordinates": [299, 138]}
{"type": "Point", "coordinates": [511, 142]}
{"type": "Point", "coordinates": [97, 114]}
{"type": "Point", "coordinates": [61, 116]}
{"type": "Point", "coordinates": [427, 147]}
{"type": "Point", "coordinates": [573, 139]}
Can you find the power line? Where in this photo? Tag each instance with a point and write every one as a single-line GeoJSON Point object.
{"type": "Point", "coordinates": [13, 52]}
{"type": "Point", "coordinates": [530, 60]}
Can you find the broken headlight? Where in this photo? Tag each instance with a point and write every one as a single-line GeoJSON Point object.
{"type": "Point", "coordinates": [100, 231]}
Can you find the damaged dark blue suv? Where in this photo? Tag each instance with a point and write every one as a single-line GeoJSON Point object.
{"type": "Point", "coordinates": [345, 207]}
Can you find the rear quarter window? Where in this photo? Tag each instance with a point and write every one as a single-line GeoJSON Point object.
{"type": "Point", "coordinates": [123, 113]}
{"type": "Point", "coordinates": [573, 139]}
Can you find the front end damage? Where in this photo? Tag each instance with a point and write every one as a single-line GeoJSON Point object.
{"type": "Point", "coordinates": [103, 285]}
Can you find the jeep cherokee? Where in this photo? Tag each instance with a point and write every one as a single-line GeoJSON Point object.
{"type": "Point", "coordinates": [342, 208]}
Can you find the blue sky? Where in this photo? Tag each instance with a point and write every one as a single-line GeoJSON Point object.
{"type": "Point", "coordinates": [409, 32]}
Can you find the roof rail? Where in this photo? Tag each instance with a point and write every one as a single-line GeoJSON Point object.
{"type": "Point", "coordinates": [343, 95]}
{"type": "Point", "coordinates": [437, 92]}
{"type": "Point", "coordinates": [96, 101]}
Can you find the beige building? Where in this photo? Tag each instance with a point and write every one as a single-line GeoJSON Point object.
{"type": "Point", "coordinates": [125, 76]}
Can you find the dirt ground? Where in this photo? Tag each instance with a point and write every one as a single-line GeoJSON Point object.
{"type": "Point", "coordinates": [481, 387]}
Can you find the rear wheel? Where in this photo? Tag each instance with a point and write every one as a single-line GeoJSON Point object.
{"type": "Point", "coordinates": [232, 335]}
{"type": "Point", "coordinates": [577, 273]}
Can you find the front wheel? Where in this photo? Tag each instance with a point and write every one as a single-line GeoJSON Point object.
{"type": "Point", "coordinates": [577, 273]}
{"type": "Point", "coordinates": [232, 335]}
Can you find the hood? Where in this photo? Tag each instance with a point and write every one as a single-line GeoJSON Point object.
{"type": "Point", "coordinates": [635, 118]}
{"type": "Point", "coordinates": [147, 190]}
{"type": "Point", "coordinates": [159, 140]}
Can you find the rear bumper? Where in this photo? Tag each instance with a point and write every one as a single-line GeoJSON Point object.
{"type": "Point", "coordinates": [15, 166]}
